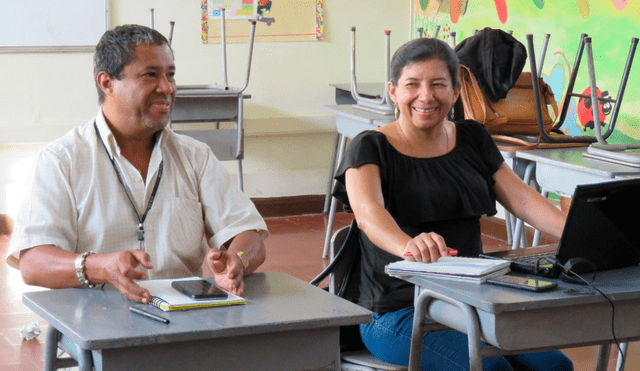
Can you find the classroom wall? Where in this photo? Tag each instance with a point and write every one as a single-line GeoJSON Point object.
{"type": "Point", "coordinates": [289, 138]}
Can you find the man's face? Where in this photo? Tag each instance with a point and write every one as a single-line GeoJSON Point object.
{"type": "Point", "coordinates": [145, 94]}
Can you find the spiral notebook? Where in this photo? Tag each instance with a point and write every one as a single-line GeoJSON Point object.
{"type": "Point", "coordinates": [167, 298]}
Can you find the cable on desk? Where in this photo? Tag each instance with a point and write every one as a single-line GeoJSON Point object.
{"type": "Point", "coordinates": [569, 275]}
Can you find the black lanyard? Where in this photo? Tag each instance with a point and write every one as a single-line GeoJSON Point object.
{"type": "Point", "coordinates": [135, 209]}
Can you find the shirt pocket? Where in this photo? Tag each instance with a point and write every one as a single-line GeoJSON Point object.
{"type": "Point", "coordinates": [186, 233]}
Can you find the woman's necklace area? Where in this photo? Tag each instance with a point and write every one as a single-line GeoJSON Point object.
{"type": "Point", "coordinates": [414, 153]}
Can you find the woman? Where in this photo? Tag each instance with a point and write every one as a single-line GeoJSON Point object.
{"type": "Point", "coordinates": [418, 187]}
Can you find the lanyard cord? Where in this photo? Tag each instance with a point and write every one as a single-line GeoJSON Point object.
{"type": "Point", "coordinates": [135, 209]}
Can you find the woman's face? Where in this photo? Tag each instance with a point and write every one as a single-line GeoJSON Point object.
{"type": "Point", "coordinates": [425, 93]}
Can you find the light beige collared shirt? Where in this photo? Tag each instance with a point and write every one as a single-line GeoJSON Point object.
{"type": "Point", "coordinates": [75, 201]}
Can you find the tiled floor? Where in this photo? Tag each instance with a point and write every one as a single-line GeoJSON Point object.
{"type": "Point", "coordinates": [294, 247]}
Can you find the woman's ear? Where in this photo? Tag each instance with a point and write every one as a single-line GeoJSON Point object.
{"type": "Point", "coordinates": [456, 94]}
{"type": "Point", "coordinates": [392, 92]}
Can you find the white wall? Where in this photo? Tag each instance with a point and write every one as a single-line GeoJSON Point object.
{"type": "Point", "coordinates": [288, 137]}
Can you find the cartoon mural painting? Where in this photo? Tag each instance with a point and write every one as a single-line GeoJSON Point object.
{"type": "Point", "coordinates": [610, 24]}
{"type": "Point", "coordinates": [264, 7]}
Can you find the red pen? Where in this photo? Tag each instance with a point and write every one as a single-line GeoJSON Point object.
{"type": "Point", "coordinates": [450, 252]}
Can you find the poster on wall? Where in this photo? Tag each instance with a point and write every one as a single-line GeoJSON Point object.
{"type": "Point", "coordinates": [611, 24]}
{"type": "Point", "coordinates": [277, 20]}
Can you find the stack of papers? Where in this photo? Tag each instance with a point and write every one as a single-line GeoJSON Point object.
{"type": "Point", "coordinates": [470, 269]}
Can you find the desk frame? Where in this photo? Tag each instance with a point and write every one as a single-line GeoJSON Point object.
{"type": "Point", "coordinates": [350, 121]}
{"type": "Point", "coordinates": [209, 104]}
{"type": "Point", "coordinates": [499, 316]}
{"type": "Point", "coordinates": [299, 322]}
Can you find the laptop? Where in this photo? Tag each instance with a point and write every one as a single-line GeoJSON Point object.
{"type": "Point", "coordinates": [602, 227]}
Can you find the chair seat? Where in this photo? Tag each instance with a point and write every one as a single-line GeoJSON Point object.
{"type": "Point", "coordinates": [364, 358]}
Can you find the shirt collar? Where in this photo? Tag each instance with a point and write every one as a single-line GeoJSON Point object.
{"type": "Point", "coordinates": [110, 140]}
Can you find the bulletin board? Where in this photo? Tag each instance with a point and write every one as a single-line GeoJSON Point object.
{"type": "Point", "coordinates": [277, 20]}
{"type": "Point", "coordinates": [45, 25]}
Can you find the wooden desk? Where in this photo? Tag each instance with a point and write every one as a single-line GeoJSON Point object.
{"type": "Point", "coordinates": [350, 121]}
{"type": "Point", "coordinates": [286, 324]}
{"type": "Point", "coordinates": [209, 104]}
{"type": "Point", "coordinates": [516, 321]}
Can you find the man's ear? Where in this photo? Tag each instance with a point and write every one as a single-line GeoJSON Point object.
{"type": "Point", "coordinates": [105, 82]}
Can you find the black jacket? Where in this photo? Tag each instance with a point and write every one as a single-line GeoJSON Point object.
{"type": "Point", "coordinates": [495, 58]}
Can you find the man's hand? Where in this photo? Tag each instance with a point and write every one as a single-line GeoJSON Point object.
{"type": "Point", "coordinates": [227, 269]}
{"type": "Point", "coordinates": [119, 269]}
{"type": "Point", "coordinates": [49, 266]}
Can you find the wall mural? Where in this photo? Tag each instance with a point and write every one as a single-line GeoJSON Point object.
{"type": "Point", "coordinates": [610, 23]}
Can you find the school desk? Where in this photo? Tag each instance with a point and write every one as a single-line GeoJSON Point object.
{"type": "Point", "coordinates": [560, 170]}
{"type": "Point", "coordinates": [515, 321]}
{"type": "Point", "coordinates": [287, 324]}
{"type": "Point", "coordinates": [350, 121]}
{"type": "Point", "coordinates": [212, 105]}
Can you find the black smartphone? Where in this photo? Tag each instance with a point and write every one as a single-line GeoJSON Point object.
{"type": "Point", "coordinates": [199, 289]}
{"type": "Point", "coordinates": [523, 283]}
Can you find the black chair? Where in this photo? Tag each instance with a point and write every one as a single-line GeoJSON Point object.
{"type": "Point", "coordinates": [344, 278]}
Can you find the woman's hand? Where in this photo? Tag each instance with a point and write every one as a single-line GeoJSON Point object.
{"type": "Point", "coordinates": [425, 247]}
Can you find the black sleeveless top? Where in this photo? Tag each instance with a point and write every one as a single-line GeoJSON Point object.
{"type": "Point", "coordinates": [446, 194]}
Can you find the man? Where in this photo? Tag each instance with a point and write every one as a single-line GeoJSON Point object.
{"type": "Point", "coordinates": [124, 198]}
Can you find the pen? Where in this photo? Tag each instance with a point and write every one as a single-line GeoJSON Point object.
{"type": "Point", "coordinates": [451, 252]}
{"type": "Point", "coordinates": [147, 314]}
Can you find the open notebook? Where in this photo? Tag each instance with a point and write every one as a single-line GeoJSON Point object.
{"type": "Point", "coordinates": [167, 298]}
{"type": "Point", "coordinates": [602, 227]}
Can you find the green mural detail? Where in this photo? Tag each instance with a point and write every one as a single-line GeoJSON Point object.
{"type": "Point", "coordinates": [610, 23]}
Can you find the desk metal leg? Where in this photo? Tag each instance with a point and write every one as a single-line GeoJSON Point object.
{"type": "Point", "coordinates": [332, 169]}
{"type": "Point", "coordinates": [417, 332]}
{"type": "Point", "coordinates": [51, 349]}
{"type": "Point", "coordinates": [622, 354]}
{"type": "Point", "coordinates": [334, 205]}
{"type": "Point", "coordinates": [519, 234]}
{"type": "Point", "coordinates": [240, 178]}
{"type": "Point", "coordinates": [603, 357]}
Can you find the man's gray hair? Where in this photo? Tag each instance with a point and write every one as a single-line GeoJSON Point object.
{"type": "Point", "coordinates": [116, 49]}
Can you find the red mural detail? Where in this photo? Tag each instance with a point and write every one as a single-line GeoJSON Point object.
{"type": "Point", "coordinates": [620, 4]}
{"type": "Point", "coordinates": [455, 9]}
{"type": "Point", "coordinates": [501, 8]}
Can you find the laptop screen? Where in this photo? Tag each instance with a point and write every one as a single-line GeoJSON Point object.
{"type": "Point", "coordinates": [602, 225]}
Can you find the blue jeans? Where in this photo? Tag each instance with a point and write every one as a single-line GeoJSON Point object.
{"type": "Point", "coordinates": [388, 338]}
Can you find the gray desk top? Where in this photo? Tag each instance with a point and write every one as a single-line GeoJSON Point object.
{"type": "Point", "coordinates": [96, 319]}
{"type": "Point", "coordinates": [360, 115]}
{"type": "Point", "coordinates": [572, 158]}
{"type": "Point", "coordinates": [369, 89]}
{"type": "Point", "coordinates": [619, 284]}
{"type": "Point", "coordinates": [208, 91]}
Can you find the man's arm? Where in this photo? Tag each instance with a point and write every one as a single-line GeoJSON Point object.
{"type": "Point", "coordinates": [52, 267]}
{"type": "Point", "coordinates": [227, 265]}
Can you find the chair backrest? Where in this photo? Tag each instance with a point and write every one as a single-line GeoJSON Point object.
{"type": "Point", "coordinates": [345, 263]}
{"type": "Point", "coordinates": [345, 278]}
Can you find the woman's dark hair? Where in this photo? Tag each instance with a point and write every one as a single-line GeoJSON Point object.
{"type": "Point", "coordinates": [424, 49]}
{"type": "Point", "coordinates": [116, 49]}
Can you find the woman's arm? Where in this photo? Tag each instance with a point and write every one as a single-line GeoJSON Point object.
{"type": "Point", "coordinates": [366, 200]}
{"type": "Point", "coordinates": [527, 204]}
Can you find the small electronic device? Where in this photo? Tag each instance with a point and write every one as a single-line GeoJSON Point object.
{"type": "Point", "coordinates": [523, 283]}
{"type": "Point", "coordinates": [199, 289]}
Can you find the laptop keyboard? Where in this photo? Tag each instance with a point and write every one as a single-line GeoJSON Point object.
{"type": "Point", "coordinates": [531, 260]}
